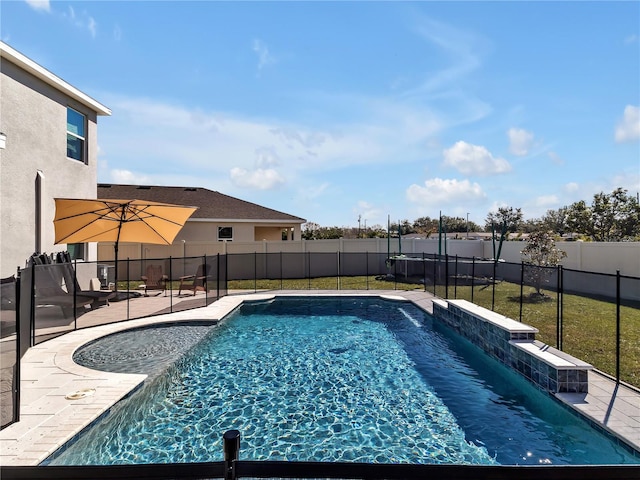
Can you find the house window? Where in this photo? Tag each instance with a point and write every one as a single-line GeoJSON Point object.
{"type": "Point", "coordinates": [225, 234]}
{"type": "Point", "coordinates": [76, 251]}
{"type": "Point", "coordinates": [76, 135]}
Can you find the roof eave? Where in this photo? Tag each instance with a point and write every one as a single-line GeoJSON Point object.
{"type": "Point", "coordinates": [247, 220]}
{"type": "Point", "coordinates": [49, 78]}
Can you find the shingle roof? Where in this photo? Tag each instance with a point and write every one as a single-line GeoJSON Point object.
{"type": "Point", "coordinates": [212, 205]}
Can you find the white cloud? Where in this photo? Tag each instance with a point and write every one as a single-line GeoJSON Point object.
{"type": "Point", "coordinates": [520, 141]}
{"type": "Point", "coordinates": [313, 191]}
{"type": "Point", "coordinates": [464, 49]}
{"type": "Point", "coordinates": [440, 192]}
{"type": "Point", "coordinates": [474, 160]}
{"type": "Point", "coordinates": [83, 21]}
{"type": "Point", "coordinates": [555, 158]}
{"type": "Point", "coordinates": [261, 179]}
{"type": "Point", "coordinates": [39, 5]}
{"type": "Point", "coordinates": [171, 138]}
{"type": "Point", "coordinates": [128, 177]}
{"type": "Point", "coordinates": [633, 38]}
{"type": "Point", "coordinates": [546, 201]}
{"type": "Point", "coordinates": [266, 157]}
{"type": "Point", "coordinates": [628, 129]}
{"type": "Point", "coordinates": [264, 57]}
{"type": "Point", "coordinates": [91, 25]}
{"type": "Point", "coordinates": [368, 212]}
{"type": "Point", "coordinates": [571, 187]}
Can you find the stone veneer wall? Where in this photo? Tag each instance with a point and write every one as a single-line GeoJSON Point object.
{"type": "Point", "coordinates": [559, 373]}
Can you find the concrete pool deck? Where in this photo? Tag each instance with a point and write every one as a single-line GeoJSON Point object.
{"type": "Point", "coordinates": [59, 397]}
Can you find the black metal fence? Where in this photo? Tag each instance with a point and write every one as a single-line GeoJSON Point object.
{"type": "Point", "coordinates": [233, 468]}
{"type": "Point", "coordinates": [593, 316]}
{"type": "Point", "coordinates": [9, 352]}
{"type": "Point", "coordinates": [55, 301]}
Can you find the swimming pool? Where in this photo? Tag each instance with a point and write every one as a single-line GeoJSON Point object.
{"type": "Point", "coordinates": [341, 379]}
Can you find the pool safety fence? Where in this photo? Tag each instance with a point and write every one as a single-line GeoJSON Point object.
{"type": "Point", "coordinates": [591, 316]}
{"type": "Point", "coordinates": [233, 468]}
{"type": "Point", "coordinates": [9, 351]}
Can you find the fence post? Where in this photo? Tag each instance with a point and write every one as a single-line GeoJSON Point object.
{"type": "Point", "coordinates": [338, 279]}
{"type": "Point", "coordinates": [455, 279]}
{"type": "Point", "coordinates": [618, 326]}
{"type": "Point", "coordinates": [75, 293]}
{"type": "Point", "coordinates": [171, 285]}
{"type": "Point", "coordinates": [217, 275]}
{"type": "Point", "coordinates": [231, 441]}
{"type": "Point", "coordinates": [395, 274]}
{"type": "Point", "coordinates": [446, 270]}
{"type": "Point", "coordinates": [206, 279]}
{"type": "Point", "coordinates": [128, 286]}
{"type": "Point", "coordinates": [32, 308]}
{"type": "Point", "coordinates": [281, 285]}
{"type": "Point", "coordinates": [435, 272]}
{"type": "Point", "coordinates": [255, 271]}
{"type": "Point", "coordinates": [559, 308]}
{"type": "Point", "coordinates": [521, 287]}
{"type": "Point", "coordinates": [424, 272]}
{"type": "Point", "coordinates": [366, 267]}
{"type": "Point", "coordinates": [473, 274]}
{"type": "Point", "coordinates": [493, 290]}
{"type": "Point", "coordinates": [309, 269]}
{"type": "Point", "coordinates": [16, 380]}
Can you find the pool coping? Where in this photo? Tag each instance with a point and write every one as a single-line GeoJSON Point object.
{"type": "Point", "coordinates": [48, 419]}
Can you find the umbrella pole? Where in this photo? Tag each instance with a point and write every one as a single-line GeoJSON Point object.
{"type": "Point", "coordinates": [123, 216]}
{"type": "Point", "coordinates": [115, 280]}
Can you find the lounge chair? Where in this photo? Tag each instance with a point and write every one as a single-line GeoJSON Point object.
{"type": "Point", "coordinates": [154, 279]}
{"type": "Point", "coordinates": [195, 282]}
{"type": "Point", "coordinates": [48, 286]}
{"type": "Point", "coordinates": [71, 281]}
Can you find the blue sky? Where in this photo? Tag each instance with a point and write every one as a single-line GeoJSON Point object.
{"type": "Point", "coordinates": [334, 110]}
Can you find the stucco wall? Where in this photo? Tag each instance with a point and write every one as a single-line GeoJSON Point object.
{"type": "Point", "coordinates": [601, 257]}
{"type": "Point", "coordinates": [34, 119]}
{"type": "Point", "coordinates": [206, 231]}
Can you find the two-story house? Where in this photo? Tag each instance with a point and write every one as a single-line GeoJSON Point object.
{"type": "Point", "coordinates": [49, 135]}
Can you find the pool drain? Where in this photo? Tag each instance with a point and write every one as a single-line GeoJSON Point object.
{"type": "Point", "coordinates": [86, 392]}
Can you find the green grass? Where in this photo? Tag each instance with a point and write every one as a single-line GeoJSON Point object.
{"type": "Point", "coordinates": [324, 283]}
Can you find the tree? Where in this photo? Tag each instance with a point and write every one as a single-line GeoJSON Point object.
{"type": "Point", "coordinates": [611, 217]}
{"type": "Point", "coordinates": [510, 217]}
{"type": "Point", "coordinates": [539, 254]}
{"type": "Point", "coordinates": [457, 224]}
{"type": "Point", "coordinates": [376, 231]}
{"type": "Point", "coordinates": [555, 221]}
{"type": "Point", "coordinates": [425, 226]}
{"type": "Point", "coordinates": [313, 231]}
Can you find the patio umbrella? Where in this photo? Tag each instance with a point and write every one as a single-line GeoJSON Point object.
{"type": "Point", "coordinates": [106, 220]}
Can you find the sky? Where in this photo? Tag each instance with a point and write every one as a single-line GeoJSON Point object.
{"type": "Point", "coordinates": [340, 112]}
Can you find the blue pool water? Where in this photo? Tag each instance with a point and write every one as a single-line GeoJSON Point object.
{"type": "Point", "coordinates": [349, 379]}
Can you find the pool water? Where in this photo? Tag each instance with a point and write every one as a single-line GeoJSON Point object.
{"type": "Point", "coordinates": [341, 379]}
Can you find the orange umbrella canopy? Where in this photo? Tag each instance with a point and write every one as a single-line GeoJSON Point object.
{"type": "Point", "coordinates": [105, 220]}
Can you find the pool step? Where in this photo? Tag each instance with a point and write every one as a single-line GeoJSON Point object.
{"type": "Point", "coordinates": [514, 344]}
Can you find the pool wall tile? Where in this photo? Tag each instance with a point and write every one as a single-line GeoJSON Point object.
{"type": "Point", "coordinates": [504, 339]}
